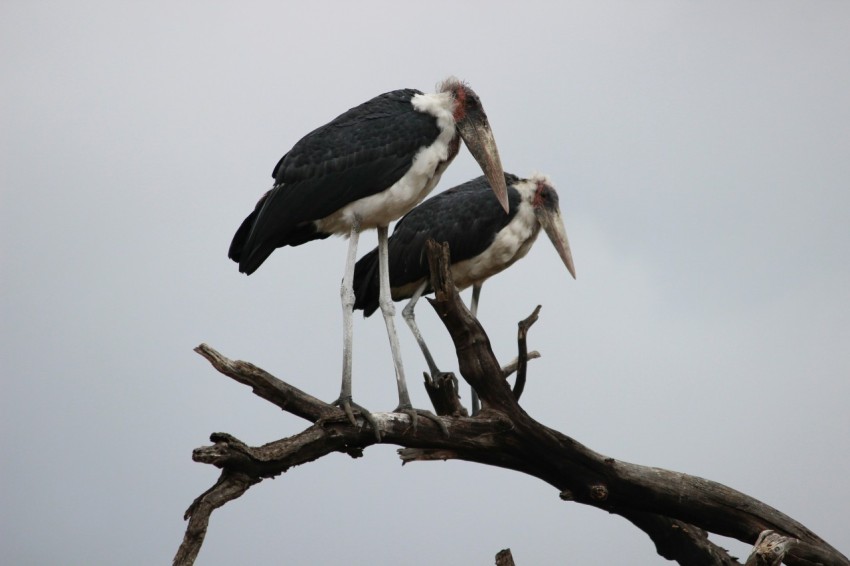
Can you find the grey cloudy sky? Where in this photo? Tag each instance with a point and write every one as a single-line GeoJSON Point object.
{"type": "Point", "coordinates": [702, 155]}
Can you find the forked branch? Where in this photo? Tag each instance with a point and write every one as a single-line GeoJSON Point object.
{"type": "Point", "coordinates": [676, 510]}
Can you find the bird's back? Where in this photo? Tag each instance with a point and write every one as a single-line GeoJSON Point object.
{"type": "Point", "coordinates": [466, 216]}
{"type": "Point", "coordinates": [360, 153]}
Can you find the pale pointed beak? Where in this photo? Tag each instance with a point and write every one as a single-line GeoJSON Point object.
{"type": "Point", "coordinates": [553, 225]}
{"type": "Point", "coordinates": [475, 131]}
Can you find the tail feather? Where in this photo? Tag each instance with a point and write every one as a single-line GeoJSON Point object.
{"type": "Point", "coordinates": [249, 264]}
{"type": "Point", "coordinates": [250, 253]}
{"type": "Point", "coordinates": [366, 284]}
{"type": "Point", "coordinates": [237, 245]}
{"type": "Point", "coordinates": [249, 259]}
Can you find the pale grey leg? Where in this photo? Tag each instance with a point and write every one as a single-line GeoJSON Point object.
{"type": "Point", "coordinates": [410, 319]}
{"type": "Point", "coordinates": [347, 295]}
{"type": "Point", "coordinates": [388, 309]}
{"type": "Point", "coordinates": [476, 294]}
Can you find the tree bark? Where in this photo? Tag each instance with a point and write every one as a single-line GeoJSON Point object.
{"type": "Point", "coordinates": [505, 558]}
{"type": "Point", "coordinates": [675, 510]}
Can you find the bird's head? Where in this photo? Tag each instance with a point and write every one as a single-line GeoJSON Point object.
{"type": "Point", "coordinates": [548, 213]}
{"type": "Point", "coordinates": [474, 129]}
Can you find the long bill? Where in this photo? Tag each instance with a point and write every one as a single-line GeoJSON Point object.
{"type": "Point", "coordinates": [553, 225]}
{"type": "Point", "coordinates": [475, 131]}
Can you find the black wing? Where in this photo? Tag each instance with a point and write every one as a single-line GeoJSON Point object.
{"type": "Point", "coordinates": [360, 153]}
{"type": "Point", "coordinates": [466, 216]}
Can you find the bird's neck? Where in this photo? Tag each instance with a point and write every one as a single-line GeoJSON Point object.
{"type": "Point", "coordinates": [454, 147]}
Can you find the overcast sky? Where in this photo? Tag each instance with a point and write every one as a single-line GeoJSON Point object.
{"type": "Point", "coordinates": [702, 154]}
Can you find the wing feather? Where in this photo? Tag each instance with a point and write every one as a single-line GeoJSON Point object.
{"type": "Point", "coordinates": [467, 216]}
{"type": "Point", "coordinates": [360, 153]}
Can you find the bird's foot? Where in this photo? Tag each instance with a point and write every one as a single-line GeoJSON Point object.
{"type": "Point", "coordinates": [348, 406]}
{"type": "Point", "coordinates": [414, 415]}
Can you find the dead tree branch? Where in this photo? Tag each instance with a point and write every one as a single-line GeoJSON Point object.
{"type": "Point", "coordinates": [505, 558]}
{"type": "Point", "coordinates": [772, 549]}
{"type": "Point", "coordinates": [676, 510]}
{"type": "Point", "coordinates": [522, 358]}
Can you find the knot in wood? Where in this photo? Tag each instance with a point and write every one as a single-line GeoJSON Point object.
{"type": "Point", "coordinates": [598, 492]}
{"type": "Point", "coordinates": [770, 549]}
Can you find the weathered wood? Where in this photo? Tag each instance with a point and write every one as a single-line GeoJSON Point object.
{"type": "Point", "coordinates": [443, 392]}
{"type": "Point", "coordinates": [229, 486]}
{"type": "Point", "coordinates": [772, 548]}
{"type": "Point", "coordinates": [679, 541]}
{"type": "Point", "coordinates": [513, 365]}
{"type": "Point", "coordinates": [505, 558]}
{"type": "Point", "coordinates": [265, 385]}
{"type": "Point", "coordinates": [769, 550]}
{"type": "Point", "coordinates": [675, 510]}
{"type": "Point", "coordinates": [522, 358]}
{"type": "Point", "coordinates": [476, 361]}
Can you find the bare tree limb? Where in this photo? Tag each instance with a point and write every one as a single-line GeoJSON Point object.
{"type": "Point", "coordinates": [676, 510]}
{"type": "Point", "coordinates": [442, 389]}
{"type": "Point", "coordinates": [505, 558]}
{"type": "Point", "coordinates": [772, 548]}
{"type": "Point", "coordinates": [513, 365]}
{"type": "Point", "coordinates": [522, 358]}
{"type": "Point", "coordinates": [679, 541]}
{"type": "Point", "coordinates": [229, 486]}
{"type": "Point", "coordinates": [289, 398]}
{"type": "Point", "coordinates": [769, 550]}
{"type": "Point", "coordinates": [592, 478]}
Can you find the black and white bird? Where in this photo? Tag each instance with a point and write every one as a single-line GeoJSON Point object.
{"type": "Point", "coordinates": [365, 169]}
{"type": "Point", "coordinates": [483, 241]}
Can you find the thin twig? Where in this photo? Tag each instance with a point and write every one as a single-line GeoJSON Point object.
{"type": "Point", "coordinates": [512, 366]}
{"type": "Point", "coordinates": [522, 365]}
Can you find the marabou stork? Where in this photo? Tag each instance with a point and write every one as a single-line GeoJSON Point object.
{"type": "Point", "coordinates": [362, 170]}
{"type": "Point", "coordinates": [483, 241]}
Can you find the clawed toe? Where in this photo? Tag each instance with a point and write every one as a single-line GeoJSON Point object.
{"type": "Point", "coordinates": [414, 415]}
{"type": "Point", "coordinates": [348, 406]}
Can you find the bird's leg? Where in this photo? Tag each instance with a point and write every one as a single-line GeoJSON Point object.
{"type": "Point", "coordinates": [409, 315]}
{"type": "Point", "coordinates": [388, 310]}
{"type": "Point", "coordinates": [476, 294]}
{"type": "Point", "coordinates": [347, 294]}
{"type": "Point", "coordinates": [410, 318]}
{"type": "Point", "coordinates": [473, 308]}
